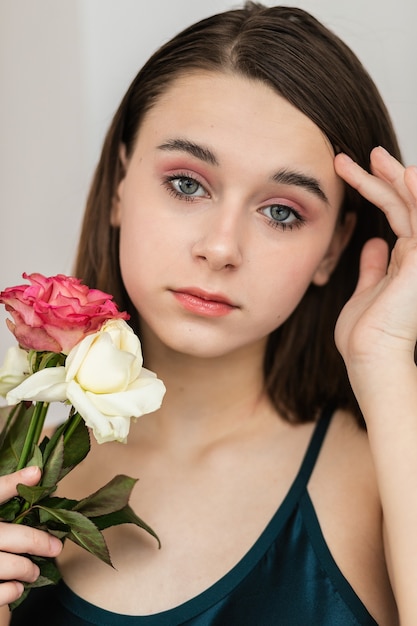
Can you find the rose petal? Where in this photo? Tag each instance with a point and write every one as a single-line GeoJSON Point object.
{"type": "Point", "coordinates": [77, 354]}
{"type": "Point", "coordinates": [14, 369]}
{"type": "Point", "coordinates": [35, 339]}
{"type": "Point", "coordinates": [123, 337]}
{"type": "Point", "coordinates": [120, 427]}
{"type": "Point", "coordinates": [101, 426]}
{"type": "Point", "coordinates": [105, 369]}
{"type": "Point", "coordinates": [143, 396]}
{"type": "Point", "coordinates": [55, 313]}
{"type": "Point", "coordinates": [47, 385]}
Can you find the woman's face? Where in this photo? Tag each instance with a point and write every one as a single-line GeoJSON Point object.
{"type": "Point", "coordinates": [227, 213]}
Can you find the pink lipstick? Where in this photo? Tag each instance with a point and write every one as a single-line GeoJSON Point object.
{"type": "Point", "coordinates": [202, 302]}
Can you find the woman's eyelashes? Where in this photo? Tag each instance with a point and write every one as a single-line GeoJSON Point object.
{"type": "Point", "coordinates": [186, 187]}
{"type": "Point", "coordinates": [281, 215]}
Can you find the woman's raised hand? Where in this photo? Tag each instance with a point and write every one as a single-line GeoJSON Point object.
{"type": "Point", "coordinates": [378, 326]}
{"type": "Point", "coordinates": [376, 334]}
{"type": "Point", "coordinates": [17, 540]}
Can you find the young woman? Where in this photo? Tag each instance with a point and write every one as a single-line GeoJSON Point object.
{"type": "Point", "coordinates": [240, 200]}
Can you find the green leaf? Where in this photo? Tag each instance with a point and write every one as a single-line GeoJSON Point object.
{"type": "Point", "coordinates": [50, 574]}
{"type": "Point", "coordinates": [53, 464]}
{"type": "Point", "coordinates": [6, 417]}
{"type": "Point", "coordinates": [10, 509]}
{"type": "Point", "coordinates": [82, 531]}
{"type": "Point", "coordinates": [36, 459]}
{"type": "Point", "coordinates": [33, 494]}
{"type": "Point", "coordinates": [13, 438]}
{"type": "Point", "coordinates": [59, 503]}
{"type": "Point", "coordinates": [112, 497]}
{"type": "Point", "coordinates": [124, 516]}
{"type": "Point", "coordinates": [77, 447]}
{"type": "Point", "coordinates": [60, 534]}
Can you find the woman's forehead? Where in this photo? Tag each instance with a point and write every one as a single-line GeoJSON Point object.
{"type": "Point", "coordinates": [211, 98]}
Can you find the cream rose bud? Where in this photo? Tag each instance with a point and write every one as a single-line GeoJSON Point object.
{"type": "Point", "coordinates": [14, 369]}
{"type": "Point", "coordinates": [107, 384]}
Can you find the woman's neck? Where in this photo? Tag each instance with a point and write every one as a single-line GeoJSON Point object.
{"type": "Point", "coordinates": [207, 398]}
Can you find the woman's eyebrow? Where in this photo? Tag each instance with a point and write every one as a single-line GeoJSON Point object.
{"type": "Point", "coordinates": [309, 183]}
{"type": "Point", "coordinates": [184, 145]}
{"type": "Point", "coordinates": [283, 176]}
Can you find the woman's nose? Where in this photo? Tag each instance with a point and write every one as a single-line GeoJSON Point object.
{"type": "Point", "coordinates": [220, 241]}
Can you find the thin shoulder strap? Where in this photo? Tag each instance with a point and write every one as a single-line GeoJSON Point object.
{"type": "Point", "coordinates": [315, 445]}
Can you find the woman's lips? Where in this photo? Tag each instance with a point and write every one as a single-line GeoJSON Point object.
{"type": "Point", "coordinates": [203, 303]}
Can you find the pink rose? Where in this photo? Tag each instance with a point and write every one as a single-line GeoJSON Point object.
{"type": "Point", "coordinates": [55, 313]}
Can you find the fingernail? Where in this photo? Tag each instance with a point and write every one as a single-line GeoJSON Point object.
{"type": "Point", "coordinates": [345, 157]}
{"type": "Point", "coordinates": [384, 152]}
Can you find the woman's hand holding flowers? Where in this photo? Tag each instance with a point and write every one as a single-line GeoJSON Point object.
{"type": "Point", "coordinates": [74, 347]}
{"type": "Point", "coordinates": [17, 541]}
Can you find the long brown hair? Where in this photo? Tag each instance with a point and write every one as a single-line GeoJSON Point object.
{"type": "Point", "coordinates": [302, 60]}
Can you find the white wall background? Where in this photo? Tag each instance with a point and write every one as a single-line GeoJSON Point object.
{"type": "Point", "coordinates": [64, 66]}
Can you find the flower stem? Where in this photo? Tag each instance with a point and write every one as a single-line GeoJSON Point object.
{"type": "Point", "coordinates": [41, 421]}
{"type": "Point", "coordinates": [33, 433]}
{"type": "Point", "coordinates": [73, 422]}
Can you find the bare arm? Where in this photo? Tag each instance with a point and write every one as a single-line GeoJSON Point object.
{"type": "Point", "coordinates": [376, 334]}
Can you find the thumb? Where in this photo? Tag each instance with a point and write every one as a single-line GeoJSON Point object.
{"type": "Point", "coordinates": [27, 476]}
{"type": "Point", "coordinates": [373, 264]}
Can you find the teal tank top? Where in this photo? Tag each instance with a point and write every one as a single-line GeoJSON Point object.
{"type": "Point", "coordinates": [288, 578]}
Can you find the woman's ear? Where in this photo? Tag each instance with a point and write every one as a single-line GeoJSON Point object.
{"type": "Point", "coordinates": [340, 239]}
{"type": "Point", "coordinates": [115, 214]}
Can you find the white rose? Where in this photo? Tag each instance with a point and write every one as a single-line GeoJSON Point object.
{"type": "Point", "coordinates": [47, 385]}
{"type": "Point", "coordinates": [107, 384]}
{"type": "Point", "coordinates": [14, 369]}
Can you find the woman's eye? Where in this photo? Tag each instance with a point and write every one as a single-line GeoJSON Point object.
{"type": "Point", "coordinates": [281, 215]}
{"type": "Point", "coordinates": [186, 187]}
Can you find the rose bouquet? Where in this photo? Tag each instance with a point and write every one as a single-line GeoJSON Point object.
{"type": "Point", "coordinates": [74, 347]}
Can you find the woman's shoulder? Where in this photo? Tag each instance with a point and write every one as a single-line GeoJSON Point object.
{"type": "Point", "coordinates": [347, 451]}
{"type": "Point", "coordinates": [343, 485]}
{"type": "Point", "coordinates": [345, 494]}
